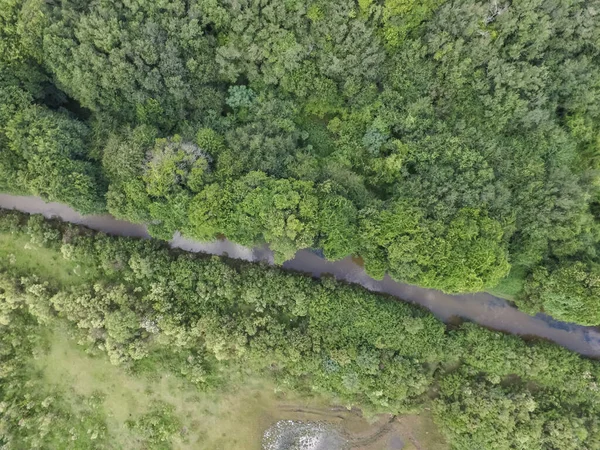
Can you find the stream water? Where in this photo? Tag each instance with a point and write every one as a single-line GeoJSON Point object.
{"type": "Point", "coordinates": [482, 308]}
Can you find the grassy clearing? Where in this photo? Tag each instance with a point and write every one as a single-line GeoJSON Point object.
{"type": "Point", "coordinates": [420, 433]}
{"type": "Point", "coordinates": [18, 254]}
{"type": "Point", "coordinates": [228, 419]}
{"type": "Point", "coordinates": [510, 286]}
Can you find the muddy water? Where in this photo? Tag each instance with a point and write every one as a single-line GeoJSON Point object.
{"type": "Point", "coordinates": [481, 308]}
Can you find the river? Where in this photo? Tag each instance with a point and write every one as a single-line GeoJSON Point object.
{"type": "Point", "coordinates": [481, 308]}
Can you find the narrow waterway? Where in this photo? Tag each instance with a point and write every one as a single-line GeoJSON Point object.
{"type": "Point", "coordinates": [482, 308]}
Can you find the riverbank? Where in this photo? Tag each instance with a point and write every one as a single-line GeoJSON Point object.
{"type": "Point", "coordinates": [482, 308]}
{"type": "Point", "coordinates": [215, 320]}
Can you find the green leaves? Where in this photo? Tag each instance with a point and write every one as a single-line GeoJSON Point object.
{"type": "Point", "coordinates": [437, 140]}
{"type": "Point", "coordinates": [157, 426]}
{"type": "Point", "coordinates": [568, 292]}
{"type": "Point", "coordinates": [476, 415]}
{"type": "Point", "coordinates": [50, 158]}
{"type": "Point", "coordinates": [259, 209]}
{"type": "Point", "coordinates": [169, 165]}
{"type": "Point", "coordinates": [136, 62]}
{"type": "Point", "coordinates": [338, 226]}
{"type": "Point", "coordinates": [466, 255]}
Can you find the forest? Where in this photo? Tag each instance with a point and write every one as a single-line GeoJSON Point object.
{"type": "Point", "coordinates": [210, 319]}
{"type": "Point", "coordinates": [453, 145]}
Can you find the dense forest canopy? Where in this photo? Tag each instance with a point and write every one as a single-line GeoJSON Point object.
{"type": "Point", "coordinates": [453, 145]}
{"type": "Point", "coordinates": [211, 319]}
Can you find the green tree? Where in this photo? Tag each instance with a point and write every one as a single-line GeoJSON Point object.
{"type": "Point", "coordinates": [569, 292]}
{"type": "Point", "coordinates": [51, 158]}
{"type": "Point", "coordinates": [338, 225]}
{"type": "Point", "coordinates": [139, 63]}
{"type": "Point", "coordinates": [466, 255]}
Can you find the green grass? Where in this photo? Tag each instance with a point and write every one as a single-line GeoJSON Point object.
{"type": "Point", "coordinates": [510, 286]}
{"type": "Point", "coordinates": [18, 254]}
{"type": "Point", "coordinates": [228, 418]}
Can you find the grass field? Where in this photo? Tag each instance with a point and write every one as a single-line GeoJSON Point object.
{"type": "Point", "coordinates": [18, 253]}
{"type": "Point", "coordinates": [224, 419]}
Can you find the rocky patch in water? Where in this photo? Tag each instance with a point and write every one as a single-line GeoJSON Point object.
{"type": "Point", "coordinates": [297, 435]}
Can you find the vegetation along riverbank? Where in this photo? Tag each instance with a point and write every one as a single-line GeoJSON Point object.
{"type": "Point", "coordinates": [211, 318]}
{"type": "Point", "coordinates": [482, 308]}
{"type": "Point", "coordinates": [451, 145]}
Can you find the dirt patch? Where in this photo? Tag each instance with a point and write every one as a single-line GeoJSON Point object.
{"type": "Point", "coordinates": [420, 433]}
{"type": "Point", "coordinates": [384, 432]}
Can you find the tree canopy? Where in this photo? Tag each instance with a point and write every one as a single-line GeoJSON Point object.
{"type": "Point", "coordinates": [449, 144]}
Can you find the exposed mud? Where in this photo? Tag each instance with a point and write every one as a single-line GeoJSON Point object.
{"type": "Point", "coordinates": [332, 429]}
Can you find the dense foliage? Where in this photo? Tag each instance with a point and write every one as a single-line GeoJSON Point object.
{"type": "Point", "coordinates": [132, 298]}
{"type": "Point", "coordinates": [443, 142]}
{"type": "Point", "coordinates": [32, 415]}
{"type": "Point", "coordinates": [569, 292]}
